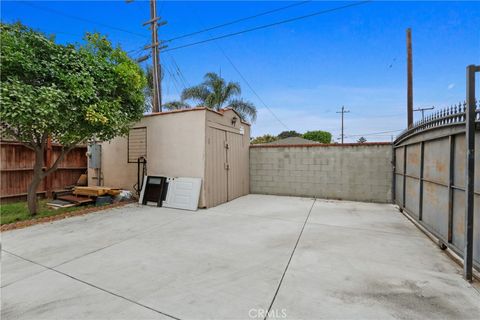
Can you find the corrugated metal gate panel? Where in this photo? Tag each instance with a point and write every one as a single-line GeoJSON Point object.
{"type": "Point", "coordinates": [216, 175]}
{"type": "Point", "coordinates": [238, 172]}
{"type": "Point", "coordinates": [437, 201]}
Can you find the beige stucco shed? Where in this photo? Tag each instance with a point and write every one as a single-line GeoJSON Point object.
{"type": "Point", "coordinates": [198, 142]}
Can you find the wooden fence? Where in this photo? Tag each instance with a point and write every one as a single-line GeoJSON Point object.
{"type": "Point", "coordinates": [16, 169]}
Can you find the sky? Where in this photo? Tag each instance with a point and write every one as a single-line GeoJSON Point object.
{"type": "Point", "coordinates": [301, 72]}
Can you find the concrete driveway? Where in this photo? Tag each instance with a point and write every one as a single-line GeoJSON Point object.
{"type": "Point", "coordinates": [297, 257]}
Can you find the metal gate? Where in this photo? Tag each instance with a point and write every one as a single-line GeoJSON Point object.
{"type": "Point", "coordinates": [435, 182]}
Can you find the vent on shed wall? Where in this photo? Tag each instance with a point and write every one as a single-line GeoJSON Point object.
{"type": "Point", "coordinates": [137, 144]}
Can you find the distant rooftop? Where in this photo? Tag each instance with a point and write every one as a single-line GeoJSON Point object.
{"type": "Point", "coordinates": [293, 140]}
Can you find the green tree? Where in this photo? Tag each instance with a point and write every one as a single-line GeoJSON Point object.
{"type": "Point", "coordinates": [215, 93]}
{"type": "Point", "coordinates": [320, 136]}
{"type": "Point", "coordinates": [362, 140]}
{"type": "Point", "coordinates": [176, 105]}
{"type": "Point", "coordinates": [266, 138]}
{"type": "Point", "coordinates": [288, 134]}
{"type": "Point", "coordinates": [71, 93]}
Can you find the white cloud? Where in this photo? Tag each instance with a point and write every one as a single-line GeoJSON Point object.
{"type": "Point", "coordinates": [451, 86]}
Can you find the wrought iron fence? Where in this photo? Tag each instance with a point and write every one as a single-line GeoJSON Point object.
{"type": "Point", "coordinates": [449, 116]}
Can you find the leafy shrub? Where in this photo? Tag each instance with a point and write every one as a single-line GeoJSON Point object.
{"type": "Point", "coordinates": [320, 136]}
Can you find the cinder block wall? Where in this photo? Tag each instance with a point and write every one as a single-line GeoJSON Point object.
{"type": "Point", "coordinates": [360, 172]}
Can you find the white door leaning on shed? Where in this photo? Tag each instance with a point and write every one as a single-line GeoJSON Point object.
{"type": "Point", "coordinates": [183, 193]}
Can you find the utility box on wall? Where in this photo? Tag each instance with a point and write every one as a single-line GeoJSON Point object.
{"type": "Point", "coordinates": [197, 143]}
{"type": "Point", "coordinates": [94, 154]}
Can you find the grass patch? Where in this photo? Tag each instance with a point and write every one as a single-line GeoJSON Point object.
{"type": "Point", "coordinates": [18, 211]}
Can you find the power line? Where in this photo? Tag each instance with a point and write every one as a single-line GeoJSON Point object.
{"type": "Point", "coordinates": [249, 85]}
{"type": "Point", "coordinates": [251, 88]}
{"type": "Point", "coordinates": [237, 21]}
{"type": "Point", "coordinates": [57, 12]}
{"type": "Point", "coordinates": [179, 71]}
{"type": "Point", "coordinates": [174, 81]}
{"type": "Point", "coordinates": [270, 25]}
{"type": "Point", "coordinates": [372, 133]}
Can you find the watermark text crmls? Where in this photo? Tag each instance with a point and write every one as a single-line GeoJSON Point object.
{"type": "Point", "coordinates": [263, 313]}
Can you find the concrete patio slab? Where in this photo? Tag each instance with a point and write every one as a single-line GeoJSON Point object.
{"type": "Point", "coordinates": [77, 236]}
{"type": "Point", "coordinates": [14, 269]}
{"type": "Point", "coordinates": [50, 295]}
{"type": "Point", "coordinates": [220, 265]}
{"type": "Point", "coordinates": [267, 206]}
{"type": "Point", "coordinates": [363, 274]}
{"type": "Point", "coordinates": [362, 215]}
{"type": "Point", "coordinates": [352, 260]}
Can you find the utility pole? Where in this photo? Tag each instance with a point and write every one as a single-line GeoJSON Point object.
{"type": "Point", "coordinates": [155, 22]}
{"type": "Point", "coordinates": [409, 79]}
{"type": "Point", "coordinates": [423, 110]}
{"type": "Point", "coordinates": [343, 111]}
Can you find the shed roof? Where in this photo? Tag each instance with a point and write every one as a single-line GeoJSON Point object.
{"type": "Point", "coordinates": [220, 112]}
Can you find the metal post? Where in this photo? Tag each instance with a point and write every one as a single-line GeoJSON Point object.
{"type": "Point", "coordinates": [469, 171]}
{"type": "Point", "coordinates": [394, 174]}
{"type": "Point", "coordinates": [451, 141]}
{"type": "Point", "coordinates": [404, 191]}
{"type": "Point", "coordinates": [422, 164]}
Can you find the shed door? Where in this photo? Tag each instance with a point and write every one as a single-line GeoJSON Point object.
{"type": "Point", "coordinates": [237, 159]}
{"type": "Point", "coordinates": [216, 187]}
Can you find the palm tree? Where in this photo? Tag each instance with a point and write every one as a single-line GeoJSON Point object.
{"type": "Point", "coordinates": [216, 94]}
